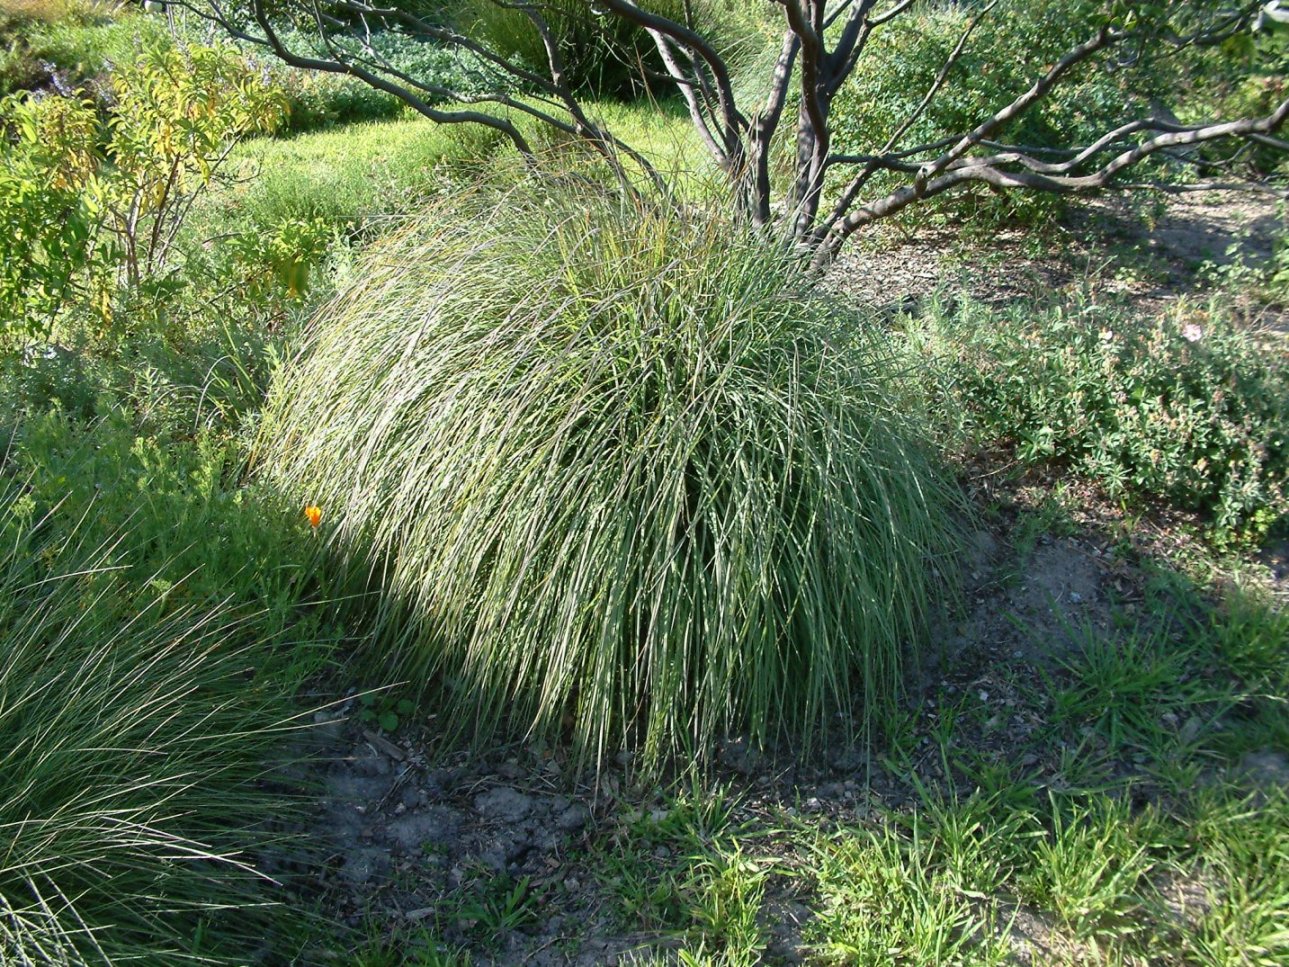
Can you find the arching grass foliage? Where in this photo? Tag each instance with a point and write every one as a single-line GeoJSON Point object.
{"type": "Point", "coordinates": [132, 739]}
{"type": "Point", "coordinates": [617, 472]}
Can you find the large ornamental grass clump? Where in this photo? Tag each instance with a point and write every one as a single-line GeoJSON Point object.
{"type": "Point", "coordinates": [617, 472]}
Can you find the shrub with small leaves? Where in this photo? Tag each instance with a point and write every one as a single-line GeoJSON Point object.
{"type": "Point", "coordinates": [1186, 409]}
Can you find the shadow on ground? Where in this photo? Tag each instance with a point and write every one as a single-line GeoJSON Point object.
{"type": "Point", "coordinates": [1082, 668]}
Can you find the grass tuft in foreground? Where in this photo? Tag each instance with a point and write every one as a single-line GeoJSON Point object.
{"type": "Point", "coordinates": [623, 471]}
{"type": "Point", "coordinates": [131, 740]}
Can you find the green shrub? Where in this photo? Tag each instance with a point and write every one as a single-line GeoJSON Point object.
{"type": "Point", "coordinates": [602, 53]}
{"type": "Point", "coordinates": [1013, 45]}
{"type": "Point", "coordinates": [618, 463]}
{"type": "Point", "coordinates": [85, 49]}
{"type": "Point", "coordinates": [1186, 409]}
{"type": "Point", "coordinates": [195, 534]}
{"type": "Point", "coordinates": [1247, 79]}
{"type": "Point", "coordinates": [133, 742]}
{"type": "Point", "coordinates": [95, 199]}
{"type": "Point", "coordinates": [178, 112]}
{"type": "Point", "coordinates": [147, 432]}
{"type": "Point", "coordinates": [279, 260]}
{"type": "Point", "coordinates": [83, 197]}
{"type": "Point", "coordinates": [1251, 97]}
{"type": "Point", "coordinates": [50, 251]}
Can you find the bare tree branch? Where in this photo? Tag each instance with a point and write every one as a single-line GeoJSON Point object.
{"type": "Point", "coordinates": [856, 185]}
{"type": "Point", "coordinates": [817, 211]}
{"type": "Point", "coordinates": [1104, 38]}
{"type": "Point", "coordinates": [986, 170]}
{"type": "Point", "coordinates": [693, 41]}
{"type": "Point", "coordinates": [690, 91]}
{"type": "Point", "coordinates": [273, 42]}
{"type": "Point", "coordinates": [763, 127]}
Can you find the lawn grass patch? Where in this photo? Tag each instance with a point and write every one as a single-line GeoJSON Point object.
{"type": "Point", "coordinates": [1131, 686]}
{"type": "Point", "coordinates": [355, 176]}
{"type": "Point", "coordinates": [884, 899]}
{"type": "Point", "coordinates": [364, 178]}
{"type": "Point", "coordinates": [684, 874]}
{"type": "Point", "coordinates": [1240, 855]}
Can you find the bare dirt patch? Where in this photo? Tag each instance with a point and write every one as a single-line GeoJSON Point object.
{"type": "Point", "coordinates": [481, 848]}
{"type": "Point", "coordinates": [1104, 245]}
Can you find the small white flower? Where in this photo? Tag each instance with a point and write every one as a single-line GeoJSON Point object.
{"type": "Point", "coordinates": [1192, 332]}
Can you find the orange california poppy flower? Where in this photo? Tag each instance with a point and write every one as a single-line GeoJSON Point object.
{"type": "Point", "coordinates": [314, 513]}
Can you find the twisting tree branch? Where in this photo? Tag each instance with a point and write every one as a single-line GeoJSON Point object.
{"type": "Point", "coordinates": [852, 190]}
{"type": "Point", "coordinates": [1040, 176]}
{"type": "Point", "coordinates": [822, 44]}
